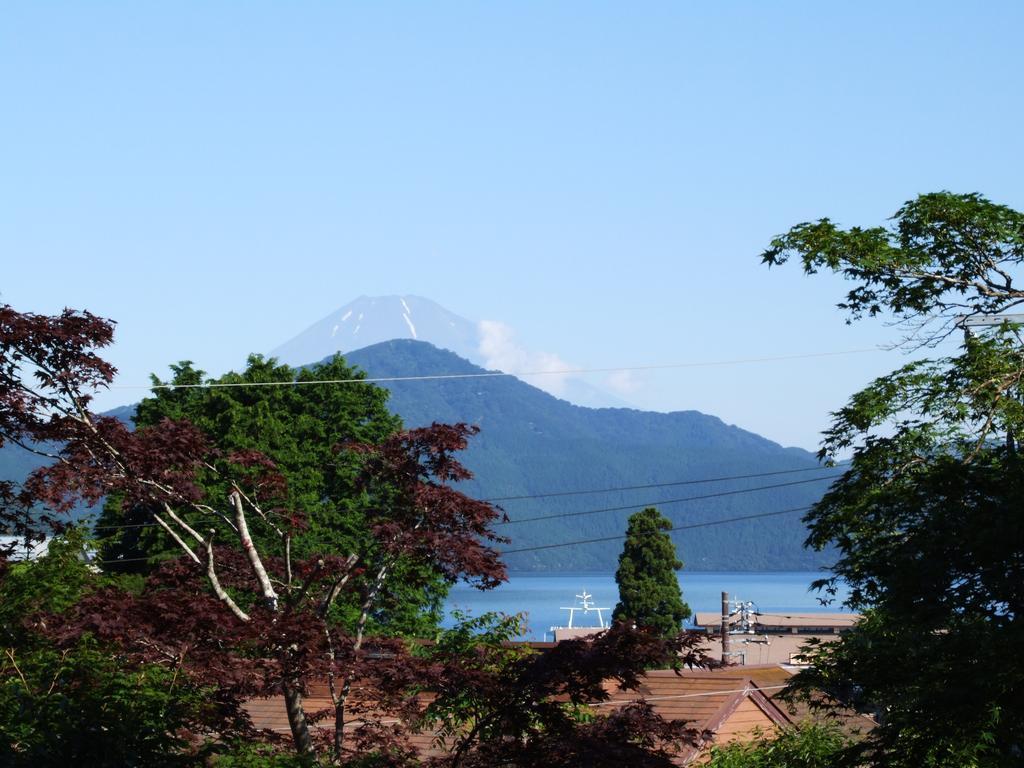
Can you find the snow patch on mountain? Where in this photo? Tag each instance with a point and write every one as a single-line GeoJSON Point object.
{"type": "Point", "coordinates": [412, 328]}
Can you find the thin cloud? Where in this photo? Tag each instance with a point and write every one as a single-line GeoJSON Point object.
{"type": "Point", "coordinates": [623, 382]}
{"type": "Point", "coordinates": [500, 350]}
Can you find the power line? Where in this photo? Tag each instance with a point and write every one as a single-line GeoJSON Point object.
{"type": "Point", "coordinates": [574, 543]}
{"type": "Point", "coordinates": [647, 699]}
{"type": "Point", "coordinates": [656, 502]}
{"type": "Point", "coordinates": [146, 525]}
{"type": "Point", "coordinates": [666, 530]}
{"type": "Point", "coordinates": [813, 614]}
{"type": "Point", "coordinates": [653, 485]}
{"type": "Point", "coordinates": [663, 502]}
{"type": "Point", "coordinates": [495, 374]}
{"type": "Point", "coordinates": [669, 697]}
{"type": "Point", "coordinates": [586, 492]}
{"type": "Point", "coordinates": [130, 560]}
{"type": "Point", "coordinates": [639, 699]}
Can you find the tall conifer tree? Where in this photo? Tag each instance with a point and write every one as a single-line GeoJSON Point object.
{"type": "Point", "coordinates": [648, 588]}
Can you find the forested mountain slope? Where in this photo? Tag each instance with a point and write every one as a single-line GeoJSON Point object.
{"type": "Point", "coordinates": [533, 443]}
{"type": "Point", "coordinates": [16, 463]}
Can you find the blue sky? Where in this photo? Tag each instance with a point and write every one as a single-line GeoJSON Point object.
{"type": "Point", "coordinates": [601, 177]}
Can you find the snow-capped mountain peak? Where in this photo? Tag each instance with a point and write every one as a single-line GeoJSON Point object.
{"type": "Point", "coordinates": [372, 319]}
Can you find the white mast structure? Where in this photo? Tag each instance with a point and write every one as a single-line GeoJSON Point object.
{"type": "Point", "coordinates": [586, 605]}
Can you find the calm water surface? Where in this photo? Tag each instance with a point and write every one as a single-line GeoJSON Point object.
{"type": "Point", "coordinates": [541, 596]}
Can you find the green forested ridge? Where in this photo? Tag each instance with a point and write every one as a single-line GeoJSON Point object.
{"type": "Point", "coordinates": [16, 462]}
{"type": "Point", "coordinates": [531, 442]}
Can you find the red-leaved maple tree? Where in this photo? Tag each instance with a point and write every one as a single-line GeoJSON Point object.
{"type": "Point", "coordinates": [250, 621]}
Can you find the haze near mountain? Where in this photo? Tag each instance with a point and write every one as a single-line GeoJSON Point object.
{"type": "Point", "coordinates": [370, 320]}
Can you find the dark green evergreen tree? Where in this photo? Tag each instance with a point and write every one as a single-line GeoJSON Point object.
{"type": "Point", "coordinates": [648, 588]}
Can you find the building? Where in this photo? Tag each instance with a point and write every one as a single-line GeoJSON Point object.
{"type": "Point", "coordinates": [769, 638]}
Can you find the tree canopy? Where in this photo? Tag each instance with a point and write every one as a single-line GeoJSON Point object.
{"type": "Point", "coordinates": [927, 517]}
{"type": "Point", "coordinates": [306, 430]}
{"type": "Point", "coordinates": [649, 591]}
{"type": "Point", "coordinates": [77, 702]}
{"type": "Point", "coordinates": [807, 745]}
{"type": "Point", "coordinates": [944, 256]}
{"type": "Point", "coordinates": [500, 704]}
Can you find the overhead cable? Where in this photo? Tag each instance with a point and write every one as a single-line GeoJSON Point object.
{"type": "Point", "coordinates": [574, 543]}
{"type": "Point", "coordinates": [620, 537]}
{"type": "Point", "coordinates": [496, 374]}
{"type": "Point", "coordinates": [674, 696]}
{"type": "Point", "coordinates": [654, 503]}
{"type": "Point", "coordinates": [585, 492]}
{"type": "Point", "coordinates": [663, 502]}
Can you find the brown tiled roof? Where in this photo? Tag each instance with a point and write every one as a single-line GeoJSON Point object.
{"type": "Point", "coordinates": [698, 696]}
{"type": "Point", "coordinates": [741, 696]}
{"type": "Point", "coordinates": [706, 700]}
{"type": "Point", "coordinates": [270, 714]}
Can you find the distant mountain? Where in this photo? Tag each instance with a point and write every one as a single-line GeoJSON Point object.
{"type": "Point", "coordinates": [16, 463]}
{"type": "Point", "coordinates": [532, 443]}
{"type": "Point", "coordinates": [373, 319]}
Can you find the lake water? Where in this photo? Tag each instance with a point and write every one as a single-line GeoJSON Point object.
{"type": "Point", "coordinates": [542, 595]}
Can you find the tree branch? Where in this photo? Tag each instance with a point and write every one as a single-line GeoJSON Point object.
{"type": "Point", "coordinates": [288, 560]}
{"type": "Point", "coordinates": [218, 590]}
{"type": "Point", "coordinates": [183, 524]}
{"type": "Point", "coordinates": [250, 551]}
{"type": "Point", "coordinates": [178, 539]}
{"type": "Point", "coordinates": [297, 598]}
{"type": "Point", "coordinates": [30, 449]}
{"type": "Point", "coordinates": [24, 682]}
{"type": "Point", "coordinates": [210, 510]}
{"type": "Point", "coordinates": [335, 590]}
{"type": "Point", "coordinates": [256, 508]}
{"type": "Point", "coordinates": [346, 688]}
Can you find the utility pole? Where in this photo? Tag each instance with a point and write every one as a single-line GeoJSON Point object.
{"type": "Point", "coordinates": [966, 322]}
{"type": "Point", "coordinates": [986, 321]}
{"type": "Point", "coordinates": [725, 628]}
